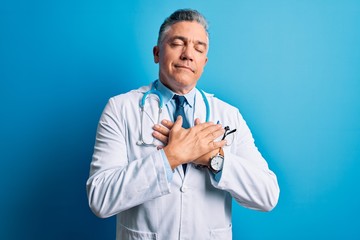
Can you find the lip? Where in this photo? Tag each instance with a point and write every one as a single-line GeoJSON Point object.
{"type": "Point", "coordinates": [184, 66]}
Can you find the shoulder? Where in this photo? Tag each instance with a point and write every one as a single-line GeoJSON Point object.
{"type": "Point", "coordinates": [123, 102]}
{"type": "Point", "coordinates": [226, 114]}
{"type": "Point", "coordinates": [224, 111]}
{"type": "Point", "coordinates": [131, 96]}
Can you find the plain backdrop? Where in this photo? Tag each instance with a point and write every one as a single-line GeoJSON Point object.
{"type": "Point", "coordinates": [291, 67]}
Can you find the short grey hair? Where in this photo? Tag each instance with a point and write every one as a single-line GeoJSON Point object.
{"type": "Point", "coordinates": [188, 15]}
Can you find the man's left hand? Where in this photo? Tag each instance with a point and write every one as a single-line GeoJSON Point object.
{"type": "Point", "coordinates": [161, 133]}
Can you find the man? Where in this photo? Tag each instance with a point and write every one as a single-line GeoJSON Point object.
{"type": "Point", "coordinates": [180, 187]}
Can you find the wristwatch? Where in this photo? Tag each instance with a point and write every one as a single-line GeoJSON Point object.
{"type": "Point", "coordinates": [217, 162]}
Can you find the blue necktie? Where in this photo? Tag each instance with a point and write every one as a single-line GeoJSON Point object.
{"type": "Point", "coordinates": [179, 103]}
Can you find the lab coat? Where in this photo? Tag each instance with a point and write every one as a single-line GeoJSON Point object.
{"type": "Point", "coordinates": [130, 181]}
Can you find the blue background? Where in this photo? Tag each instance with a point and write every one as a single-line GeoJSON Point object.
{"type": "Point", "coordinates": [291, 67]}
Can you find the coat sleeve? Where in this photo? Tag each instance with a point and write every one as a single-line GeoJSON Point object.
{"type": "Point", "coordinates": [245, 173]}
{"type": "Point", "coordinates": [115, 183]}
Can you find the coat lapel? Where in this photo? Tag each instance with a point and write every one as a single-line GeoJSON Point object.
{"type": "Point", "coordinates": [200, 107]}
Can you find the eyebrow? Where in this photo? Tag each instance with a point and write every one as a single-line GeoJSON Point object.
{"type": "Point", "coordinates": [184, 39]}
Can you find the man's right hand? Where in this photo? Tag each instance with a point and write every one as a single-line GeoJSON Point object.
{"type": "Point", "coordinates": [186, 145]}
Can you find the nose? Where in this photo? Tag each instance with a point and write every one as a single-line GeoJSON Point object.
{"type": "Point", "coordinates": [187, 54]}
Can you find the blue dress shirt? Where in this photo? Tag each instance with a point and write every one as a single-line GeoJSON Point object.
{"type": "Point", "coordinates": [170, 105]}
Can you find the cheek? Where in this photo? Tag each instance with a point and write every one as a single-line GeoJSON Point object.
{"type": "Point", "coordinates": [201, 65]}
{"type": "Point", "coordinates": [166, 59]}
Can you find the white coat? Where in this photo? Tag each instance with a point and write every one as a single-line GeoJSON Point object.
{"type": "Point", "coordinates": [130, 181]}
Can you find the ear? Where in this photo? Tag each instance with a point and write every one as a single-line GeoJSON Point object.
{"type": "Point", "coordinates": [205, 61]}
{"type": "Point", "coordinates": [156, 54]}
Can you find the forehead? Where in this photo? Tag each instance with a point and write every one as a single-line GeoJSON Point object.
{"type": "Point", "coordinates": [192, 31]}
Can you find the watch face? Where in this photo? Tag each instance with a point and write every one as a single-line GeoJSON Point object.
{"type": "Point", "coordinates": [217, 163]}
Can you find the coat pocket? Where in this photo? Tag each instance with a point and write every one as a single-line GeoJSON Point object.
{"type": "Point", "coordinates": [130, 234]}
{"type": "Point", "coordinates": [221, 233]}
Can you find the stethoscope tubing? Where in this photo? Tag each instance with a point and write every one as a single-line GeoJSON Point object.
{"type": "Point", "coordinates": [154, 91]}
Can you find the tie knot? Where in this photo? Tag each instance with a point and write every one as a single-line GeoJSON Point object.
{"type": "Point", "coordinates": [179, 100]}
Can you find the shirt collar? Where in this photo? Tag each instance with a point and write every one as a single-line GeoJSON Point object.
{"type": "Point", "coordinates": [167, 94]}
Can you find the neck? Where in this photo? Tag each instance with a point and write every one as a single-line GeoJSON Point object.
{"type": "Point", "coordinates": [180, 90]}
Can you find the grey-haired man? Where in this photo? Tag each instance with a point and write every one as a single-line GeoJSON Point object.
{"type": "Point", "coordinates": [180, 184]}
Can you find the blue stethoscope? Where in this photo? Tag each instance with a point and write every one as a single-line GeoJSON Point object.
{"type": "Point", "coordinates": [154, 91]}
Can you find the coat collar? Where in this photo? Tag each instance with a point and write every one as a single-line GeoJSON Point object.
{"type": "Point", "coordinates": [198, 102]}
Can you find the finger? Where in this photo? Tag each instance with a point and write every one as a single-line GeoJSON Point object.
{"type": "Point", "coordinates": [197, 121]}
{"type": "Point", "coordinates": [162, 138]}
{"type": "Point", "coordinates": [214, 132]}
{"type": "Point", "coordinates": [201, 126]}
{"type": "Point", "coordinates": [161, 129]}
{"type": "Point", "coordinates": [213, 127]}
{"type": "Point", "coordinates": [167, 123]}
{"type": "Point", "coordinates": [215, 145]}
{"type": "Point", "coordinates": [178, 123]}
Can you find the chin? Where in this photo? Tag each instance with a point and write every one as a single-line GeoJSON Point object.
{"type": "Point", "coordinates": [181, 83]}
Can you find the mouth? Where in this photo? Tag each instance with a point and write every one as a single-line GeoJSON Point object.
{"type": "Point", "coordinates": [184, 67]}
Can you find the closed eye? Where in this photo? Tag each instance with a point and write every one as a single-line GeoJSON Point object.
{"type": "Point", "coordinates": [176, 42]}
{"type": "Point", "coordinates": [200, 50]}
{"type": "Point", "coordinates": [200, 47]}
